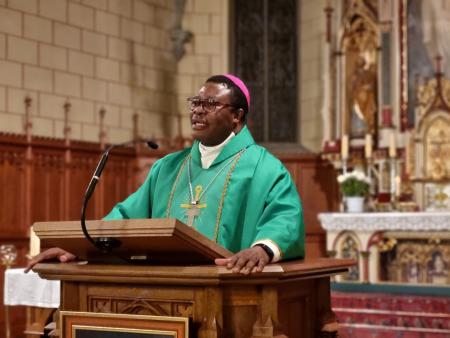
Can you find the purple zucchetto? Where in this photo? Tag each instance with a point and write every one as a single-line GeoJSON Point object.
{"type": "Point", "coordinates": [241, 85]}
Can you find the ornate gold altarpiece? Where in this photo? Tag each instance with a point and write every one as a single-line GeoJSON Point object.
{"type": "Point", "coordinates": [404, 247]}
{"type": "Point", "coordinates": [378, 67]}
{"type": "Point", "coordinates": [377, 114]}
{"type": "Point", "coordinates": [429, 160]}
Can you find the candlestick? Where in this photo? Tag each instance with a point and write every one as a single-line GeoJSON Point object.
{"type": "Point", "coordinates": [369, 168]}
{"type": "Point", "coordinates": [393, 174]}
{"type": "Point", "coordinates": [344, 147]}
{"type": "Point", "coordinates": [398, 186]}
{"type": "Point", "coordinates": [344, 166]}
{"type": "Point", "coordinates": [407, 155]}
{"type": "Point", "coordinates": [368, 146]}
{"type": "Point", "coordinates": [392, 146]}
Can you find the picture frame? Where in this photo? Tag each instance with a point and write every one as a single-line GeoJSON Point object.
{"type": "Point", "coordinates": [111, 325]}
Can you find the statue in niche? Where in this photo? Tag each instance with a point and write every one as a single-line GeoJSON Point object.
{"type": "Point", "coordinates": [412, 272]}
{"type": "Point", "coordinates": [437, 269]}
{"type": "Point", "coordinates": [363, 98]}
{"type": "Point", "coordinates": [360, 46]}
{"type": "Point", "coordinates": [409, 256]}
{"type": "Point", "coordinates": [349, 249]}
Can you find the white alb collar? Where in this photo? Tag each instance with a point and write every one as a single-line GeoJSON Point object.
{"type": "Point", "coordinates": [209, 154]}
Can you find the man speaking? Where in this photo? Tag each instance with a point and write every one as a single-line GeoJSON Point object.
{"type": "Point", "coordinates": [225, 186]}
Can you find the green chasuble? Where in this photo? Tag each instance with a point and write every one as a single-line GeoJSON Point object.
{"type": "Point", "coordinates": [246, 195]}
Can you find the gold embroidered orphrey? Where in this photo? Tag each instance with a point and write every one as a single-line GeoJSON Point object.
{"type": "Point", "coordinates": [194, 207]}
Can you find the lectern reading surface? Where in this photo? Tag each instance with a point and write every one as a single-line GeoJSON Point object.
{"type": "Point", "coordinates": [159, 241]}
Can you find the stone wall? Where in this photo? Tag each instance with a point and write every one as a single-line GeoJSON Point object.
{"type": "Point", "coordinates": [312, 42]}
{"type": "Point", "coordinates": [207, 53]}
{"type": "Point", "coordinates": [114, 54]}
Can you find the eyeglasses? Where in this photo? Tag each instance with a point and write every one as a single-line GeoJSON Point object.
{"type": "Point", "coordinates": [208, 105]}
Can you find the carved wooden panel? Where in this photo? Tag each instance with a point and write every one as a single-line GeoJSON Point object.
{"type": "Point", "coordinates": [17, 314]}
{"type": "Point", "coordinates": [237, 316]}
{"type": "Point", "coordinates": [82, 168]}
{"type": "Point", "coordinates": [119, 181]}
{"type": "Point", "coordinates": [296, 307]}
{"type": "Point", "coordinates": [12, 181]}
{"type": "Point", "coordinates": [140, 306]}
{"type": "Point", "coordinates": [47, 187]}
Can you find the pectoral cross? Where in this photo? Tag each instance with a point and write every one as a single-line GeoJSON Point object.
{"type": "Point", "coordinates": [193, 208]}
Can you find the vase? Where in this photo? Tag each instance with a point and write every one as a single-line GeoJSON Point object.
{"type": "Point", "coordinates": [354, 203]}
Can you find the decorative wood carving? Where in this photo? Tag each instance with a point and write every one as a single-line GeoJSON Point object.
{"type": "Point", "coordinates": [37, 318]}
{"type": "Point", "coordinates": [291, 299]}
{"type": "Point", "coordinates": [141, 306]}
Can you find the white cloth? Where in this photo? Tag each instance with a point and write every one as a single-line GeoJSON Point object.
{"type": "Point", "coordinates": [30, 290]}
{"type": "Point", "coordinates": [209, 154]}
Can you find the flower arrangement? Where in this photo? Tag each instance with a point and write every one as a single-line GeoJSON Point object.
{"type": "Point", "coordinates": [354, 183]}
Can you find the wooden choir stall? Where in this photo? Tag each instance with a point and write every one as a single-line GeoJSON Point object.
{"type": "Point", "coordinates": [164, 268]}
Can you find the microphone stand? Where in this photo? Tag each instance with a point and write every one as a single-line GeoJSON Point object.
{"type": "Point", "coordinates": [104, 244]}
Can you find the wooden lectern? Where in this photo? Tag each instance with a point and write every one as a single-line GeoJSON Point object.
{"type": "Point", "coordinates": [290, 299]}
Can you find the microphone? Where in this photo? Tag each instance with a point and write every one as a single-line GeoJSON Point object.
{"type": "Point", "coordinates": [151, 144]}
{"type": "Point", "coordinates": [105, 244]}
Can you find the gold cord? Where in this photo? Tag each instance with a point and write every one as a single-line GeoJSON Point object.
{"type": "Point", "coordinates": [224, 192]}
{"type": "Point", "coordinates": [174, 186]}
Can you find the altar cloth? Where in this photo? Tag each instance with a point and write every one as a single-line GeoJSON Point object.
{"type": "Point", "coordinates": [30, 290]}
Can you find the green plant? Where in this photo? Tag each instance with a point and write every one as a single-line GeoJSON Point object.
{"type": "Point", "coordinates": [354, 184]}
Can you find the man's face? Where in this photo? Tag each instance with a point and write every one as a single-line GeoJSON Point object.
{"type": "Point", "coordinates": [212, 117]}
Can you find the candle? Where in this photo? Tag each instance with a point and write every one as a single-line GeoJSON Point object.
{"type": "Point", "coordinates": [398, 187]}
{"type": "Point", "coordinates": [344, 147]}
{"type": "Point", "coordinates": [392, 146]}
{"type": "Point", "coordinates": [407, 154]}
{"type": "Point", "coordinates": [368, 148]}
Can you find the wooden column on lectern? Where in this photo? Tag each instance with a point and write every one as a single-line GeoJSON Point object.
{"type": "Point", "coordinates": [290, 299]}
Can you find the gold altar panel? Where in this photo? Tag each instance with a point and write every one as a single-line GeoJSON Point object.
{"type": "Point", "coordinates": [349, 247]}
{"type": "Point", "coordinates": [428, 156]}
{"type": "Point", "coordinates": [437, 149]}
{"type": "Point", "coordinates": [420, 261]}
{"type": "Point", "coordinates": [428, 93]}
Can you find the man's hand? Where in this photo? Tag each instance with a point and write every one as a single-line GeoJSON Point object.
{"type": "Point", "coordinates": [60, 254]}
{"type": "Point", "coordinates": [246, 261]}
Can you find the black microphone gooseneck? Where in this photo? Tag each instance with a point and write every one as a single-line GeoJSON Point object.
{"type": "Point", "coordinates": [104, 244]}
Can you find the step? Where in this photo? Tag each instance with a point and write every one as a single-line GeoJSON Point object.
{"type": "Point", "coordinates": [393, 318]}
{"type": "Point", "coordinates": [379, 331]}
{"type": "Point", "coordinates": [384, 301]}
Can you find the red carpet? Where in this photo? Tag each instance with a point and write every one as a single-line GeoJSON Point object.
{"type": "Point", "coordinates": [373, 315]}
